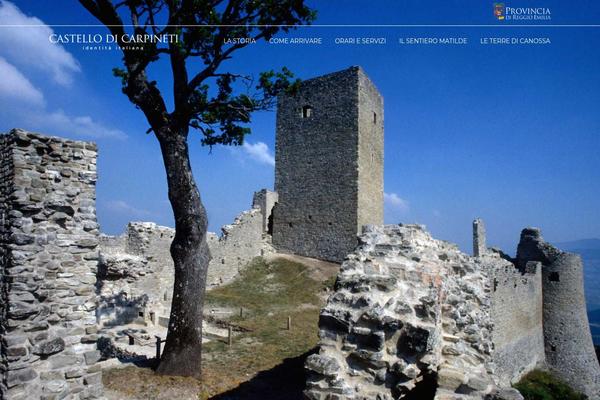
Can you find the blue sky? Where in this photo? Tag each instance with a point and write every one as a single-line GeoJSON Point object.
{"type": "Point", "coordinates": [510, 134]}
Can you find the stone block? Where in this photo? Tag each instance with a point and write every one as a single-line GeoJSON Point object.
{"type": "Point", "coordinates": [451, 379]}
{"type": "Point", "coordinates": [323, 365]}
{"type": "Point", "coordinates": [91, 357]}
{"type": "Point", "coordinates": [20, 376]}
{"type": "Point", "coordinates": [48, 347]}
{"type": "Point", "coordinates": [93, 379]}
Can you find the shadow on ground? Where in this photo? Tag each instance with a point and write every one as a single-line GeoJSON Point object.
{"type": "Point", "coordinates": [285, 381]}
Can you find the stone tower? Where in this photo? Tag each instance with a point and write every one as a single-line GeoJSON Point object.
{"type": "Point", "coordinates": [329, 165]}
{"type": "Point", "coordinates": [479, 246]}
{"type": "Point", "coordinates": [567, 338]}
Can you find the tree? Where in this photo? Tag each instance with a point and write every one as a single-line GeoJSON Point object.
{"type": "Point", "coordinates": [203, 30]}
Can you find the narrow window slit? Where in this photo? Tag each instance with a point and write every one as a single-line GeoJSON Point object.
{"type": "Point", "coordinates": [307, 111]}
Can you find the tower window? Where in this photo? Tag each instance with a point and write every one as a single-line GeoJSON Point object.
{"type": "Point", "coordinates": [374, 118]}
{"type": "Point", "coordinates": [307, 111]}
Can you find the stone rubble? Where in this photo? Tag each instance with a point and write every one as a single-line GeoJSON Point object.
{"type": "Point", "coordinates": [410, 315]}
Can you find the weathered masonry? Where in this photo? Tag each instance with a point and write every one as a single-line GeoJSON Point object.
{"type": "Point", "coordinates": [135, 278]}
{"type": "Point", "coordinates": [568, 342]}
{"type": "Point", "coordinates": [479, 246]}
{"type": "Point", "coordinates": [329, 165]}
{"type": "Point", "coordinates": [413, 317]}
{"type": "Point", "coordinates": [48, 261]}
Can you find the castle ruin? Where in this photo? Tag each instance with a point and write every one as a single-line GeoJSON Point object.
{"type": "Point", "coordinates": [568, 342]}
{"type": "Point", "coordinates": [410, 317]}
{"type": "Point", "coordinates": [135, 279]}
{"type": "Point", "coordinates": [413, 317]}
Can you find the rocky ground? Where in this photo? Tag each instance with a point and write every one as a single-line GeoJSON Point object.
{"type": "Point", "coordinates": [266, 360]}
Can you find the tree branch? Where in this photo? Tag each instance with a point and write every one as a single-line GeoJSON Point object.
{"type": "Point", "coordinates": [140, 92]}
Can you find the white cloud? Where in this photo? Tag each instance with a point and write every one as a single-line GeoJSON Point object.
{"type": "Point", "coordinates": [84, 125]}
{"type": "Point", "coordinates": [396, 202]}
{"type": "Point", "coordinates": [122, 207]}
{"type": "Point", "coordinates": [259, 152]}
{"type": "Point", "coordinates": [15, 86]}
{"type": "Point", "coordinates": [29, 47]}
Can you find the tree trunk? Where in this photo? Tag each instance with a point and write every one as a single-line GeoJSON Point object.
{"type": "Point", "coordinates": [190, 253]}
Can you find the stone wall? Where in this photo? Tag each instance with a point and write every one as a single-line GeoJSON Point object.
{"type": "Point", "coordinates": [136, 270]}
{"type": "Point", "coordinates": [265, 200]}
{"type": "Point", "coordinates": [49, 259]}
{"type": "Point", "coordinates": [414, 317]}
{"type": "Point", "coordinates": [410, 316]}
{"type": "Point", "coordinates": [239, 244]}
{"type": "Point", "coordinates": [6, 189]}
{"type": "Point", "coordinates": [328, 165]}
{"type": "Point", "coordinates": [135, 280]}
{"type": "Point", "coordinates": [568, 341]}
{"type": "Point", "coordinates": [517, 315]}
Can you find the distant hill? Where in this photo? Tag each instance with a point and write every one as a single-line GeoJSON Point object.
{"type": "Point", "coordinates": [589, 249]}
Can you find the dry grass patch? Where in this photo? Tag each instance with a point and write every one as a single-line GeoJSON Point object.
{"type": "Point", "coordinates": [264, 354]}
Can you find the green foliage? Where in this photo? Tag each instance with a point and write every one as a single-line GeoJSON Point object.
{"type": "Point", "coordinates": [224, 118]}
{"type": "Point", "coordinates": [121, 74]}
{"type": "Point", "coordinates": [542, 385]}
{"type": "Point", "coordinates": [216, 102]}
{"type": "Point", "coordinates": [221, 118]}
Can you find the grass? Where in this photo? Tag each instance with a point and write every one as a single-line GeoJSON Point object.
{"type": "Point", "coordinates": [269, 293]}
{"type": "Point", "coordinates": [542, 385]}
{"type": "Point", "coordinates": [265, 358]}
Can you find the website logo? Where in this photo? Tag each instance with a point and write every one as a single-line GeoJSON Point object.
{"type": "Point", "coordinates": [499, 11]}
{"type": "Point", "coordinates": [508, 13]}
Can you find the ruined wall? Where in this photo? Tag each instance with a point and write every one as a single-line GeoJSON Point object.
{"type": "Point", "coordinates": [517, 316]}
{"type": "Point", "coordinates": [317, 163]}
{"type": "Point", "coordinates": [414, 317]}
{"type": "Point", "coordinates": [410, 316]}
{"type": "Point", "coordinates": [265, 200]}
{"type": "Point", "coordinates": [49, 260]}
{"type": "Point", "coordinates": [241, 241]}
{"type": "Point", "coordinates": [568, 341]}
{"type": "Point", "coordinates": [135, 279]}
{"type": "Point", "coordinates": [238, 245]}
{"type": "Point", "coordinates": [135, 283]}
